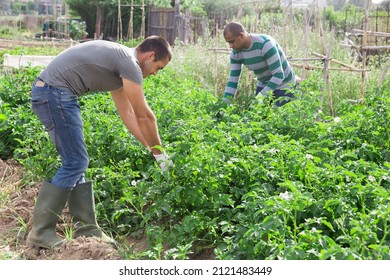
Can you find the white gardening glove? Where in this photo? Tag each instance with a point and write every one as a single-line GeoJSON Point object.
{"type": "Point", "coordinates": [164, 161]}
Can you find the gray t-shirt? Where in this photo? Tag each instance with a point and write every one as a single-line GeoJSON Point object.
{"type": "Point", "coordinates": [93, 66]}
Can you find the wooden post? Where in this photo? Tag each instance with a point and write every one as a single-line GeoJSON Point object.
{"type": "Point", "coordinates": [291, 14]}
{"type": "Point", "coordinates": [387, 66]}
{"type": "Point", "coordinates": [326, 72]}
{"type": "Point", "coordinates": [257, 11]}
{"type": "Point", "coordinates": [119, 28]}
{"type": "Point", "coordinates": [143, 19]}
{"type": "Point", "coordinates": [287, 21]}
{"type": "Point", "coordinates": [187, 27]}
{"type": "Point", "coordinates": [305, 44]}
{"type": "Point", "coordinates": [321, 30]}
{"type": "Point", "coordinates": [364, 44]}
{"type": "Point", "coordinates": [388, 19]}
{"type": "Point", "coordinates": [216, 74]}
{"type": "Point", "coordinates": [285, 36]}
{"type": "Point", "coordinates": [216, 67]}
{"type": "Point", "coordinates": [67, 23]}
{"type": "Point", "coordinates": [47, 19]}
{"type": "Point", "coordinates": [216, 51]}
{"type": "Point", "coordinates": [239, 12]}
{"type": "Point", "coordinates": [336, 61]}
{"type": "Point", "coordinates": [345, 19]}
{"type": "Point", "coordinates": [177, 20]}
{"type": "Point", "coordinates": [130, 32]}
{"type": "Point", "coordinates": [376, 24]}
{"type": "Point", "coordinates": [54, 10]}
{"type": "Point", "coordinates": [98, 26]}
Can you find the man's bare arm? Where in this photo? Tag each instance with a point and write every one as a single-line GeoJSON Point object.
{"type": "Point", "coordinates": [134, 110]}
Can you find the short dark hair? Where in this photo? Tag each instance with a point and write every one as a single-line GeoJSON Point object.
{"type": "Point", "coordinates": [233, 27]}
{"type": "Point", "coordinates": [158, 45]}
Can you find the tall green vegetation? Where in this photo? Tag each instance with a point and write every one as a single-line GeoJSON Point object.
{"type": "Point", "coordinates": [250, 181]}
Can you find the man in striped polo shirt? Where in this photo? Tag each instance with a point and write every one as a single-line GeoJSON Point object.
{"type": "Point", "coordinates": [263, 55]}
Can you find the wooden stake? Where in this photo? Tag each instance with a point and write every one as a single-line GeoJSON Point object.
{"type": "Point", "coordinates": [335, 60]}
{"type": "Point", "coordinates": [387, 66]}
{"type": "Point", "coordinates": [372, 33]}
{"type": "Point", "coordinates": [326, 72]}
{"type": "Point", "coordinates": [364, 44]}
{"type": "Point", "coordinates": [366, 47]}
{"type": "Point", "coordinates": [216, 51]}
{"type": "Point", "coordinates": [143, 20]}
{"type": "Point", "coordinates": [216, 74]}
{"type": "Point", "coordinates": [285, 37]}
{"type": "Point", "coordinates": [119, 29]}
{"type": "Point", "coordinates": [305, 44]}
{"type": "Point", "coordinates": [313, 67]}
{"type": "Point", "coordinates": [130, 32]}
{"type": "Point", "coordinates": [324, 51]}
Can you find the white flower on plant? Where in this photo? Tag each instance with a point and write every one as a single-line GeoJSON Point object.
{"type": "Point", "coordinates": [286, 195]}
{"type": "Point", "coordinates": [134, 183]}
{"type": "Point", "coordinates": [337, 119]}
{"type": "Point", "coordinates": [371, 178]}
{"type": "Point", "coordinates": [309, 156]}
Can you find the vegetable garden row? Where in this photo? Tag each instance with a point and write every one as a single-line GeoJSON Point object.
{"type": "Point", "coordinates": [251, 181]}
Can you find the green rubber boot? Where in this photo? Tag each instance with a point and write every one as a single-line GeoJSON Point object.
{"type": "Point", "coordinates": [48, 208]}
{"type": "Point", "coordinates": [81, 205]}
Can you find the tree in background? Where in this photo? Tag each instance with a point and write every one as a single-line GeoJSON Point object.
{"type": "Point", "coordinates": [101, 16]}
{"type": "Point", "coordinates": [92, 12]}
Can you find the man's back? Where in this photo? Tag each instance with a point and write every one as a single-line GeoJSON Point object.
{"type": "Point", "coordinates": [93, 66]}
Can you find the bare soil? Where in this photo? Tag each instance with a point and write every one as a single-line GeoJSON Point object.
{"type": "Point", "coordinates": [16, 208]}
{"type": "Point", "coordinates": [17, 200]}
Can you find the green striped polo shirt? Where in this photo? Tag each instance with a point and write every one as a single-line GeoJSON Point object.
{"type": "Point", "coordinates": [266, 59]}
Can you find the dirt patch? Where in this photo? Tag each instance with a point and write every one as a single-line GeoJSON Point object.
{"type": "Point", "coordinates": [17, 200]}
{"type": "Point", "coordinates": [81, 248]}
{"type": "Point", "coordinates": [16, 208]}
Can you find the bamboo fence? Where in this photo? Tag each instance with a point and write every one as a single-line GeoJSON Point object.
{"type": "Point", "coordinates": [326, 57]}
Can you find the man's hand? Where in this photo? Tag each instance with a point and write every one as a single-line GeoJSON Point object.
{"type": "Point", "coordinates": [164, 161]}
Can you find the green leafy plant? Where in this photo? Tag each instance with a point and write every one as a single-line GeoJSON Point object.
{"type": "Point", "coordinates": [251, 180]}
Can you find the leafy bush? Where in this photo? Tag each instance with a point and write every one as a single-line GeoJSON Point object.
{"type": "Point", "coordinates": [251, 181]}
{"type": "Point", "coordinates": [14, 109]}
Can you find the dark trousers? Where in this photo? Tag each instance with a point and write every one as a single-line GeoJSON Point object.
{"type": "Point", "coordinates": [279, 96]}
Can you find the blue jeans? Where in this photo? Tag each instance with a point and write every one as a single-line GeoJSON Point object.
{"type": "Point", "coordinates": [277, 94]}
{"type": "Point", "coordinates": [59, 112]}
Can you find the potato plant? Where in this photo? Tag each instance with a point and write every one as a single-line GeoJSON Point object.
{"type": "Point", "coordinates": [251, 181]}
